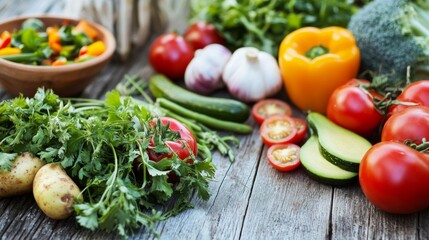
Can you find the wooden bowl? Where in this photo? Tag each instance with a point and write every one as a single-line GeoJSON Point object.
{"type": "Point", "coordinates": [67, 80]}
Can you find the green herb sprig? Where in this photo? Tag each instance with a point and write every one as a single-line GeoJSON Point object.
{"type": "Point", "coordinates": [101, 145]}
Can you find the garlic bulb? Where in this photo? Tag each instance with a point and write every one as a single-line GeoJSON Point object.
{"type": "Point", "coordinates": [204, 73]}
{"type": "Point", "coordinates": [252, 75]}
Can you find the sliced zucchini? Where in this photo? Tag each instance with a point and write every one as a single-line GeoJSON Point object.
{"type": "Point", "coordinates": [320, 168]}
{"type": "Point", "coordinates": [340, 146]}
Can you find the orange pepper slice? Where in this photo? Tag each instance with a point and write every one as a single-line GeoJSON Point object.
{"type": "Point", "coordinates": [85, 27]}
{"type": "Point", "coordinates": [96, 49]}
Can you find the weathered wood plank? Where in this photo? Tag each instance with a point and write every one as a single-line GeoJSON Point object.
{"type": "Point", "coordinates": [423, 223]}
{"type": "Point", "coordinates": [287, 205]}
{"type": "Point", "coordinates": [350, 213]}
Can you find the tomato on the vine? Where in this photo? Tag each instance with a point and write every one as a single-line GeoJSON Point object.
{"type": "Point", "coordinates": [170, 54]}
{"type": "Point", "coordinates": [278, 129]}
{"type": "Point", "coordinates": [201, 34]}
{"type": "Point", "coordinates": [269, 107]}
{"type": "Point", "coordinates": [416, 92]}
{"type": "Point", "coordinates": [352, 108]}
{"type": "Point", "coordinates": [184, 146]}
{"type": "Point", "coordinates": [284, 157]}
{"type": "Point", "coordinates": [410, 124]}
{"type": "Point", "coordinates": [395, 177]}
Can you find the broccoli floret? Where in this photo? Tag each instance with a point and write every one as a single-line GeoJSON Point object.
{"type": "Point", "coordinates": [391, 35]}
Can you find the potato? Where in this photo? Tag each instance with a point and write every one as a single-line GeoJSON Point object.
{"type": "Point", "coordinates": [20, 179]}
{"type": "Point", "coordinates": [55, 191]}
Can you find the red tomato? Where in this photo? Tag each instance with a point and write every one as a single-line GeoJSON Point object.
{"type": "Point", "coordinates": [270, 107]}
{"type": "Point", "coordinates": [5, 39]}
{"type": "Point", "coordinates": [411, 124]}
{"type": "Point", "coordinates": [181, 146]}
{"type": "Point", "coordinates": [201, 34]}
{"type": "Point", "coordinates": [277, 130]}
{"type": "Point", "coordinates": [284, 157]}
{"type": "Point", "coordinates": [395, 177]}
{"type": "Point", "coordinates": [170, 54]}
{"type": "Point", "coordinates": [352, 108]}
{"type": "Point", "coordinates": [301, 130]}
{"type": "Point", "coordinates": [416, 92]}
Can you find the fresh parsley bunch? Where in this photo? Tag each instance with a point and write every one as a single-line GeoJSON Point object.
{"type": "Point", "coordinates": [98, 142]}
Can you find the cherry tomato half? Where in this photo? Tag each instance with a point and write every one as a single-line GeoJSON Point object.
{"type": "Point", "coordinates": [278, 129]}
{"type": "Point", "coordinates": [170, 54]}
{"type": "Point", "coordinates": [284, 157]}
{"type": "Point", "coordinates": [270, 107]}
{"type": "Point", "coordinates": [301, 130]}
{"type": "Point", "coordinates": [201, 34]}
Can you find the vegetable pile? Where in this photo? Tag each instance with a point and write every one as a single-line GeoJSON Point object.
{"type": "Point", "coordinates": [125, 159]}
{"type": "Point", "coordinates": [37, 44]}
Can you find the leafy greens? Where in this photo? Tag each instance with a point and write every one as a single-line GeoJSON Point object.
{"type": "Point", "coordinates": [264, 23]}
{"type": "Point", "coordinates": [98, 145]}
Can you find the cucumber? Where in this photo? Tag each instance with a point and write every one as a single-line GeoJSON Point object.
{"type": "Point", "coordinates": [221, 108]}
{"type": "Point", "coordinates": [320, 168]}
{"type": "Point", "coordinates": [338, 145]}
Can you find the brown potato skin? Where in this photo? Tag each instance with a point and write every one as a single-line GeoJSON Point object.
{"type": "Point", "coordinates": [55, 192]}
{"type": "Point", "coordinates": [19, 180]}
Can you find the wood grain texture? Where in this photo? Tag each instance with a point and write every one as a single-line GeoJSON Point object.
{"type": "Point", "coordinates": [286, 205]}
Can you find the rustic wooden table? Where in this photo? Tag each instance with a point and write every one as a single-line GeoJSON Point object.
{"type": "Point", "coordinates": [250, 200]}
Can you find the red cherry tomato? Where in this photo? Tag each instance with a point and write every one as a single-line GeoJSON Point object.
{"type": "Point", "coordinates": [278, 129]}
{"type": "Point", "coordinates": [181, 146]}
{"type": "Point", "coordinates": [352, 108]}
{"type": "Point", "coordinates": [411, 124]}
{"type": "Point", "coordinates": [201, 34]}
{"type": "Point", "coordinates": [270, 107]}
{"type": "Point", "coordinates": [284, 157]}
{"type": "Point", "coordinates": [170, 54]}
{"type": "Point", "coordinates": [301, 130]}
{"type": "Point", "coordinates": [416, 92]}
{"type": "Point", "coordinates": [395, 177]}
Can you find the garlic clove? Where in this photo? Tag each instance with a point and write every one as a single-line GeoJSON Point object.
{"type": "Point", "coordinates": [204, 73]}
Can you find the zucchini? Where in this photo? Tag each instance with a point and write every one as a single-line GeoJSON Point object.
{"type": "Point", "coordinates": [338, 145]}
{"type": "Point", "coordinates": [220, 108]}
{"type": "Point", "coordinates": [320, 168]}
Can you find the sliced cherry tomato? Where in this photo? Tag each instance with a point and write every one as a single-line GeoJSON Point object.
{"type": "Point", "coordinates": [284, 157]}
{"type": "Point", "coordinates": [410, 124]}
{"type": "Point", "coordinates": [170, 54]}
{"type": "Point", "coordinates": [353, 108]}
{"type": "Point", "coordinates": [301, 130]}
{"type": "Point", "coordinates": [270, 107]}
{"type": "Point", "coordinates": [201, 34]}
{"type": "Point", "coordinates": [278, 129]}
{"type": "Point", "coordinates": [416, 92]}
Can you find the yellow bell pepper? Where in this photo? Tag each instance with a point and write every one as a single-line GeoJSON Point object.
{"type": "Point", "coordinates": [314, 62]}
{"type": "Point", "coordinates": [9, 51]}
